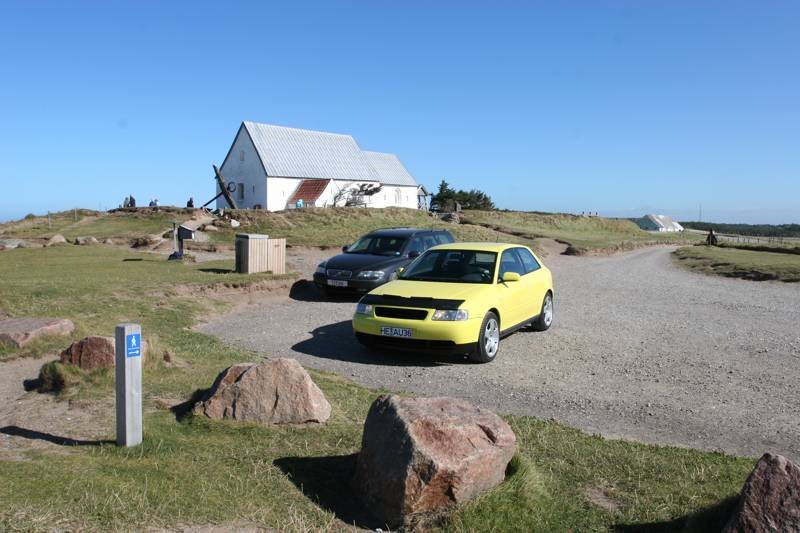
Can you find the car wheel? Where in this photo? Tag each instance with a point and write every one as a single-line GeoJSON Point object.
{"type": "Point", "coordinates": [545, 319]}
{"type": "Point", "coordinates": [488, 341]}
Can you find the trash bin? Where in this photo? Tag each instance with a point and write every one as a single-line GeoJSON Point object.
{"type": "Point", "coordinates": [252, 253]}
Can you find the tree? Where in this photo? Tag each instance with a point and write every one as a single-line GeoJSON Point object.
{"type": "Point", "coordinates": [474, 199]}
{"type": "Point", "coordinates": [447, 197]}
{"type": "Point", "coordinates": [445, 191]}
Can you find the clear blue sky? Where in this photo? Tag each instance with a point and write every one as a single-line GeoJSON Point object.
{"type": "Point", "coordinates": [618, 107]}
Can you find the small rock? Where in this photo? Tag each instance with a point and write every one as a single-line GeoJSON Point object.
{"type": "Point", "coordinates": [425, 454]}
{"type": "Point", "coordinates": [210, 228]}
{"type": "Point", "coordinates": [10, 244]}
{"type": "Point", "coordinates": [770, 499]}
{"type": "Point", "coordinates": [109, 242]}
{"type": "Point", "coordinates": [21, 331]}
{"type": "Point", "coordinates": [56, 239]}
{"type": "Point", "coordinates": [90, 353]}
{"type": "Point", "coordinates": [278, 391]}
{"type": "Point", "coordinates": [145, 241]}
{"type": "Point", "coordinates": [85, 241]}
{"type": "Point", "coordinates": [235, 223]}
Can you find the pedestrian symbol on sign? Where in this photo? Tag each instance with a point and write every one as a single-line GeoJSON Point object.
{"type": "Point", "coordinates": [132, 345]}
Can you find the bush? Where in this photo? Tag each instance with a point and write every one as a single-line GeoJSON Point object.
{"type": "Point", "coordinates": [55, 377]}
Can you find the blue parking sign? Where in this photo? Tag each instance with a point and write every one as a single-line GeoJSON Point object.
{"type": "Point", "coordinates": [133, 346]}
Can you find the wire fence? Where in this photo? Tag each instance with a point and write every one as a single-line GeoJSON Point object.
{"type": "Point", "coordinates": [762, 240]}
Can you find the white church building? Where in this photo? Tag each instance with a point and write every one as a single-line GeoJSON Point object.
{"type": "Point", "coordinates": [276, 168]}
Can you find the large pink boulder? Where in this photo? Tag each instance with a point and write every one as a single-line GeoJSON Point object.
{"type": "Point", "coordinates": [770, 500]}
{"type": "Point", "coordinates": [424, 454]}
{"type": "Point", "coordinates": [22, 331]}
{"type": "Point", "coordinates": [278, 391]}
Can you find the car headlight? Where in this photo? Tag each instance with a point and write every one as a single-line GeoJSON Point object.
{"type": "Point", "coordinates": [321, 268]}
{"type": "Point", "coordinates": [370, 274]}
{"type": "Point", "coordinates": [450, 315]}
{"type": "Point", "coordinates": [363, 309]}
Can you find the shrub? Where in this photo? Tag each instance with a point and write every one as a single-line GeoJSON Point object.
{"type": "Point", "coordinates": [56, 377]}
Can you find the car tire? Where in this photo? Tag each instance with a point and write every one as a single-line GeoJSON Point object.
{"type": "Point", "coordinates": [488, 341]}
{"type": "Point", "coordinates": [545, 318]}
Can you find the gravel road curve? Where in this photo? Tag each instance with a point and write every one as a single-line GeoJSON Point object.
{"type": "Point", "coordinates": [639, 350]}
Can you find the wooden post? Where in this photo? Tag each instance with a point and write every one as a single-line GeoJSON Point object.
{"type": "Point", "coordinates": [128, 361]}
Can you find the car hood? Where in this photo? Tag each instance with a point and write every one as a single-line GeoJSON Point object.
{"type": "Point", "coordinates": [432, 289]}
{"type": "Point", "coordinates": [362, 261]}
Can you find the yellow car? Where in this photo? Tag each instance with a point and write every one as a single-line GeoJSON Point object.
{"type": "Point", "coordinates": [459, 298]}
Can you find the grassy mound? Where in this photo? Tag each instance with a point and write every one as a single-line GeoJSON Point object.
{"type": "Point", "coordinates": [121, 224]}
{"type": "Point", "coordinates": [336, 227]}
{"type": "Point", "coordinates": [55, 377]}
{"type": "Point", "coordinates": [735, 262]}
{"type": "Point", "coordinates": [583, 234]}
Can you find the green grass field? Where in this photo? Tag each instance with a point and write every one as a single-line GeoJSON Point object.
{"type": "Point", "coordinates": [199, 472]}
{"type": "Point", "coordinates": [583, 234]}
{"type": "Point", "coordinates": [757, 265]}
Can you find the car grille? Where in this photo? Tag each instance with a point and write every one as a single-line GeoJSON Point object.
{"type": "Point", "coordinates": [400, 312]}
{"type": "Point", "coordinates": [339, 274]}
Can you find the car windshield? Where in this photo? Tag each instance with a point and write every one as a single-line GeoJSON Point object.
{"type": "Point", "coordinates": [454, 266]}
{"type": "Point", "coordinates": [378, 245]}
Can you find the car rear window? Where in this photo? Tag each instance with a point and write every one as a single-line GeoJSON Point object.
{"type": "Point", "coordinates": [444, 238]}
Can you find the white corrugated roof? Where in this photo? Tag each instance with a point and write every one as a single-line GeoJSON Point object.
{"type": "Point", "coordinates": [665, 222]}
{"type": "Point", "coordinates": [390, 170]}
{"type": "Point", "coordinates": [296, 153]}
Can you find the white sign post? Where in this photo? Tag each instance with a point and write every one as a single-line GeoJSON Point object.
{"type": "Point", "coordinates": [128, 341]}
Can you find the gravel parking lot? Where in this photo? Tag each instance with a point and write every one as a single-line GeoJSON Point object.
{"type": "Point", "coordinates": [639, 349]}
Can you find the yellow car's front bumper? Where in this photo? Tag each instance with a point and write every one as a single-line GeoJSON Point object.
{"type": "Point", "coordinates": [457, 335]}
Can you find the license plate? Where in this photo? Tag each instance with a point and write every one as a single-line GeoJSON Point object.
{"type": "Point", "coordinates": [337, 283]}
{"type": "Point", "coordinates": [388, 331]}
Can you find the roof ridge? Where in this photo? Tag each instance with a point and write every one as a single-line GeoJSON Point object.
{"type": "Point", "coordinates": [300, 129]}
{"type": "Point", "coordinates": [379, 153]}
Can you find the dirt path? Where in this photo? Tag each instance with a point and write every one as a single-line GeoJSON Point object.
{"type": "Point", "coordinates": [550, 247]}
{"type": "Point", "coordinates": [639, 350]}
{"type": "Point", "coordinates": [32, 421]}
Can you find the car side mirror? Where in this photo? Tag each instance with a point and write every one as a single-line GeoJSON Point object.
{"type": "Point", "coordinates": [413, 254]}
{"type": "Point", "coordinates": [510, 276]}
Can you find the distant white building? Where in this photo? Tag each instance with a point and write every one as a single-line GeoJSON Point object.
{"type": "Point", "coordinates": [275, 167]}
{"type": "Point", "coordinates": [658, 223]}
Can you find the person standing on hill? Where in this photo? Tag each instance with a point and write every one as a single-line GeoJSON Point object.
{"type": "Point", "coordinates": [711, 238]}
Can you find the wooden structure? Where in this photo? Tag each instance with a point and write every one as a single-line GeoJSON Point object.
{"type": "Point", "coordinates": [259, 253]}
